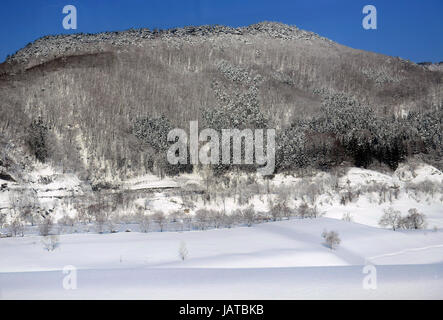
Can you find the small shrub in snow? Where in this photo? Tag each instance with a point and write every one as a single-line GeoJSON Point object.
{"type": "Point", "coordinates": [332, 239]}
{"type": "Point", "coordinates": [305, 211]}
{"type": "Point", "coordinates": [219, 218]}
{"type": "Point", "coordinates": [51, 242]}
{"type": "Point", "coordinates": [126, 218]}
{"type": "Point", "coordinates": [414, 220]}
{"type": "Point", "coordinates": [313, 190]}
{"type": "Point", "coordinates": [275, 212]}
{"type": "Point", "coordinates": [113, 220]}
{"type": "Point", "coordinates": [16, 227]}
{"type": "Point", "coordinates": [315, 212]}
{"type": "Point", "coordinates": [279, 210]}
{"type": "Point", "coordinates": [187, 220]}
{"type": "Point", "coordinates": [175, 216]}
{"type": "Point", "coordinates": [202, 219]}
{"type": "Point", "coordinates": [2, 219]}
{"type": "Point", "coordinates": [84, 215]}
{"type": "Point", "coordinates": [283, 194]}
{"type": "Point", "coordinates": [249, 215]}
{"type": "Point", "coordinates": [425, 187]}
{"type": "Point", "coordinates": [228, 220]}
{"type": "Point", "coordinates": [66, 220]}
{"type": "Point", "coordinates": [347, 217]}
{"type": "Point", "coordinates": [183, 251]}
{"type": "Point", "coordinates": [100, 221]}
{"type": "Point", "coordinates": [45, 226]}
{"type": "Point", "coordinates": [391, 218]}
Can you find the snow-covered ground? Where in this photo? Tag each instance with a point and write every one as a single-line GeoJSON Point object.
{"type": "Point", "coordinates": [275, 260]}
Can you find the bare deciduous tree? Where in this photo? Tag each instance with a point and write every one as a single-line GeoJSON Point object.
{"type": "Point", "coordinates": [390, 218]}
{"type": "Point", "coordinates": [159, 218]}
{"type": "Point", "coordinates": [202, 218]}
{"type": "Point", "coordinates": [144, 221]}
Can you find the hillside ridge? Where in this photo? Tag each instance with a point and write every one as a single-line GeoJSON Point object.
{"type": "Point", "coordinates": [50, 45]}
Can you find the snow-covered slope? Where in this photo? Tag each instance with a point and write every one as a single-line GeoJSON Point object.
{"type": "Point", "coordinates": [372, 192]}
{"type": "Point", "coordinates": [45, 188]}
{"type": "Point", "coordinates": [362, 194]}
{"type": "Point", "coordinates": [284, 259]}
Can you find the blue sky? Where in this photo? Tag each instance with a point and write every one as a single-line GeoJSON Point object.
{"type": "Point", "coordinates": [411, 29]}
